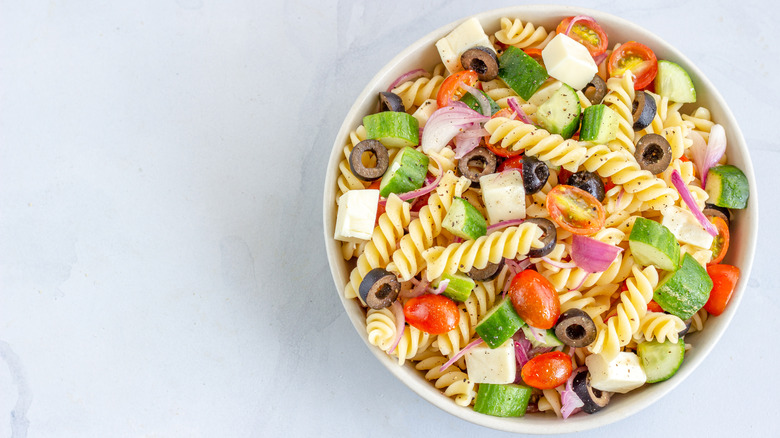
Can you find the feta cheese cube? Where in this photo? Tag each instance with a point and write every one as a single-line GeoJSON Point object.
{"type": "Point", "coordinates": [424, 111]}
{"type": "Point", "coordinates": [684, 225]}
{"type": "Point", "coordinates": [356, 215]}
{"type": "Point", "coordinates": [569, 61]}
{"type": "Point", "coordinates": [492, 365]}
{"type": "Point", "coordinates": [467, 35]}
{"type": "Point", "coordinates": [621, 374]}
{"type": "Point", "coordinates": [504, 196]}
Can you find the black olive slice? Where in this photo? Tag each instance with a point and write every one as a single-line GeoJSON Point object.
{"type": "Point", "coordinates": [644, 108]}
{"type": "Point", "coordinates": [590, 182]}
{"type": "Point", "coordinates": [549, 237]}
{"type": "Point", "coordinates": [653, 153]}
{"type": "Point", "coordinates": [687, 328]}
{"type": "Point", "coordinates": [356, 160]}
{"type": "Point", "coordinates": [593, 399]}
{"type": "Point", "coordinates": [535, 174]}
{"type": "Point", "coordinates": [714, 210]}
{"type": "Point", "coordinates": [487, 273]}
{"type": "Point", "coordinates": [482, 60]}
{"type": "Point", "coordinates": [480, 161]}
{"type": "Point", "coordinates": [379, 288]}
{"type": "Point", "coordinates": [575, 328]}
{"type": "Point", "coordinates": [595, 90]}
{"type": "Point", "coordinates": [390, 102]}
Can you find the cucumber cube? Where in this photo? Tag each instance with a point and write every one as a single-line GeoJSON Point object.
{"type": "Point", "coordinates": [502, 400]}
{"type": "Point", "coordinates": [727, 187]}
{"type": "Point", "coordinates": [459, 287]}
{"type": "Point", "coordinates": [464, 220]}
{"type": "Point", "coordinates": [654, 244]}
{"type": "Point", "coordinates": [560, 114]}
{"type": "Point", "coordinates": [393, 129]}
{"type": "Point", "coordinates": [683, 292]}
{"type": "Point", "coordinates": [406, 172]}
{"type": "Point", "coordinates": [499, 324]}
{"type": "Point", "coordinates": [673, 82]}
{"type": "Point", "coordinates": [600, 124]}
{"type": "Point", "coordinates": [521, 72]}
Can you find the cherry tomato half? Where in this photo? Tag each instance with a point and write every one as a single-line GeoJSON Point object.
{"type": "Point", "coordinates": [575, 209]}
{"type": "Point", "coordinates": [535, 299]}
{"type": "Point", "coordinates": [720, 244]}
{"type": "Point", "coordinates": [515, 162]}
{"type": "Point", "coordinates": [635, 57]}
{"type": "Point", "coordinates": [587, 33]}
{"type": "Point", "coordinates": [547, 370]}
{"type": "Point", "coordinates": [724, 281]}
{"type": "Point", "coordinates": [450, 89]}
{"type": "Point", "coordinates": [434, 314]}
{"type": "Point", "coordinates": [652, 306]}
{"type": "Point", "coordinates": [498, 150]}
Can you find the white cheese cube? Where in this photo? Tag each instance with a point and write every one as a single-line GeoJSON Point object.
{"type": "Point", "coordinates": [504, 196]}
{"type": "Point", "coordinates": [492, 365]}
{"type": "Point", "coordinates": [356, 215]}
{"type": "Point", "coordinates": [424, 111]}
{"type": "Point", "coordinates": [684, 225]}
{"type": "Point", "coordinates": [621, 374]}
{"type": "Point", "coordinates": [569, 61]}
{"type": "Point", "coordinates": [467, 35]}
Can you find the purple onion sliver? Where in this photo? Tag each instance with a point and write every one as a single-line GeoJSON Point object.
{"type": "Point", "coordinates": [514, 105]}
{"type": "Point", "coordinates": [455, 358]}
{"type": "Point", "coordinates": [484, 104]}
{"type": "Point", "coordinates": [408, 76]}
{"type": "Point", "coordinates": [400, 324]}
{"type": "Point", "coordinates": [679, 184]}
{"type": "Point", "coordinates": [504, 224]}
{"type": "Point", "coordinates": [426, 189]}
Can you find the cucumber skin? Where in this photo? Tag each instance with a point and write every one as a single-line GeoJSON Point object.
{"type": "Point", "coordinates": [505, 316]}
{"type": "Point", "coordinates": [393, 128]}
{"type": "Point", "coordinates": [667, 71]}
{"type": "Point", "coordinates": [550, 109]}
{"type": "Point", "coordinates": [648, 353]}
{"type": "Point", "coordinates": [658, 236]}
{"type": "Point", "coordinates": [683, 292]}
{"type": "Point", "coordinates": [414, 166]}
{"type": "Point", "coordinates": [509, 400]}
{"type": "Point", "coordinates": [727, 187]}
{"type": "Point", "coordinates": [593, 119]}
{"type": "Point", "coordinates": [459, 287]}
{"type": "Point", "coordinates": [521, 72]}
{"type": "Point", "coordinates": [473, 224]}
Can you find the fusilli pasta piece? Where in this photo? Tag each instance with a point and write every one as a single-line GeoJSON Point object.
{"type": "Point", "coordinates": [452, 380]}
{"type": "Point", "coordinates": [659, 326]}
{"type": "Point", "coordinates": [414, 93]}
{"type": "Point", "coordinates": [514, 33]}
{"type": "Point", "coordinates": [620, 98]}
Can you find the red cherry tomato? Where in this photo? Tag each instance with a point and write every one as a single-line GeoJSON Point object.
{"type": "Point", "coordinates": [381, 207]}
{"type": "Point", "coordinates": [498, 150]}
{"type": "Point", "coordinates": [535, 299]}
{"type": "Point", "coordinates": [450, 89]}
{"type": "Point", "coordinates": [536, 54]}
{"type": "Point", "coordinates": [547, 370]}
{"type": "Point", "coordinates": [589, 34]}
{"type": "Point", "coordinates": [635, 57]}
{"type": "Point", "coordinates": [515, 162]}
{"type": "Point", "coordinates": [434, 314]}
{"type": "Point", "coordinates": [652, 306]}
{"type": "Point", "coordinates": [575, 209]}
{"type": "Point", "coordinates": [720, 244]}
{"type": "Point", "coordinates": [724, 282]}
{"type": "Point", "coordinates": [563, 176]}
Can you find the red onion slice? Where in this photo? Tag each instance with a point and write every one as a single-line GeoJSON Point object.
{"type": "Point", "coordinates": [400, 324]}
{"type": "Point", "coordinates": [679, 184]}
{"type": "Point", "coordinates": [455, 358]}
{"type": "Point", "coordinates": [522, 348]}
{"type": "Point", "coordinates": [442, 287]}
{"type": "Point", "coordinates": [538, 334]}
{"type": "Point", "coordinates": [592, 255]}
{"type": "Point", "coordinates": [578, 18]}
{"type": "Point", "coordinates": [408, 76]}
{"type": "Point", "coordinates": [420, 287]}
{"type": "Point", "coordinates": [716, 147]}
{"type": "Point", "coordinates": [425, 189]}
{"type": "Point", "coordinates": [569, 399]}
{"type": "Point", "coordinates": [447, 122]}
{"type": "Point", "coordinates": [504, 224]}
{"type": "Point", "coordinates": [484, 103]}
{"type": "Point", "coordinates": [557, 264]}
{"type": "Point", "coordinates": [514, 105]}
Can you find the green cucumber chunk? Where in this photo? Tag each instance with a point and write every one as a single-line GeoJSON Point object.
{"type": "Point", "coordinates": [560, 114]}
{"type": "Point", "coordinates": [502, 400]}
{"type": "Point", "coordinates": [727, 187]}
{"type": "Point", "coordinates": [549, 339]}
{"type": "Point", "coordinates": [472, 103]}
{"type": "Point", "coordinates": [393, 129]}
{"type": "Point", "coordinates": [406, 172]}
{"type": "Point", "coordinates": [499, 324]}
{"type": "Point", "coordinates": [521, 72]}
{"type": "Point", "coordinates": [683, 292]}
{"type": "Point", "coordinates": [661, 360]}
{"type": "Point", "coordinates": [600, 124]}
{"type": "Point", "coordinates": [459, 287]}
{"type": "Point", "coordinates": [653, 244]}
{"type": "Point", "coordinates": [464, 220]}
{"type": "Point", "coordinates": [673, 82]}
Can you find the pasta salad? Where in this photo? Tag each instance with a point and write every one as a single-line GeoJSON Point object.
{"type": "Point", "coordinates": [537, 222]}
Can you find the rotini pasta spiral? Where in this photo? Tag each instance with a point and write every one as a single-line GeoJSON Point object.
{"type": "Point", "coordinates": [452, 380]}
{"type": "Point", "coordinates": [347, 180]}
{"type": "Point", "coordinates": [620, 98]}
{"type": "Point", "coordinates": [380, 326]}
{"type": "Point", "coordinates": [659, 326]}
{"type": "Point", "coordinates": [414, 93]}
{"type": "Point", "coordinates": [514, 33]}
{"type": "Point", "coordinates": [451, 342]}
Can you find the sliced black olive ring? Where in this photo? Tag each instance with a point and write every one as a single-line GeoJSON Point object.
{"type": "Point", "coordinates": [593, 399]}
{"type": "Point", "coordinates": [595, 90]}
{"type": "Point", "coordinates": [487, 273]}
{"type": "Point", "coordinates": [480, 161]}
{"type": "Point", "coordinates": [359, 169]}
{"type": "Point", "coordinates": [714, 210]}
{"type": "Point", "coordinates": [549, 237]}
{"type": "Point", "coordinates": [590, 182]}
{"type": "Point", "coordinates": [535, 174]}
{"type": "Point", "coordinates": [379, 288]}
{"type": "Point", "coordinates": [575, 328]}
{"type": "Point", "coordinates": [482, 60]}
{"type": "Point", "coordinates": [644, 108]}
{"type": "Point", "coordinates": [653, 153]}
{"type": "Point", "coordinates": [390, 102]}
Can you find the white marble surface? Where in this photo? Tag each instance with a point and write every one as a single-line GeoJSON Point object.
{"type": "Point", "coordinates": [162, 270]}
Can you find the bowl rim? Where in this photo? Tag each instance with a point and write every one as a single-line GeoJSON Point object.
{"type": "Point", "coordinates": [640, 399]}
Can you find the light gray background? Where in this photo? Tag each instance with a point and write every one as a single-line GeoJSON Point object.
{"type": "Point", "coordinates": [162, 270]}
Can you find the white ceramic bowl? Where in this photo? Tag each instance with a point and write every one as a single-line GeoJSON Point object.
{"type": "Point", "coordinates": [423, 54]}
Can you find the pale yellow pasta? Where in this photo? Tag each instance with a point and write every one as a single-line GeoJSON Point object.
{"type": "Point", "coordinates": [659, 326]}
{"type": "Point", "coordinates": [702, 121]}
{"type": "Point", "coordinates": [453, 381]}
{"type": "Point", "coordinates": [380, 326]}
{"type": "Point", "coordinates": [347, 180]}
{"type": "Point", "coordinates": [620, 98]}
{"type": "Point", "coordinates": [483, 296]}
{"type": "Point", "coordinates": [414, 93]}
{"type": "Point", "coordinates": [697, 321]}
{"type": "Point", "coordinates": [515, 33]}
{"type": "Point", "coordinates": [508, 243]}
{"type": "Point", "coordinates": [445, 157]}
{"type": "Point", "coordinates": [451, 342]}
{"type": "Point", "coordinates": [701, 255]}
{"type": "Point", "coordinates": [550, 401]}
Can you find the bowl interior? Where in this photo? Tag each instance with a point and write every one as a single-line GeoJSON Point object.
{"type": "Point", "coordinates": [423, 54]}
